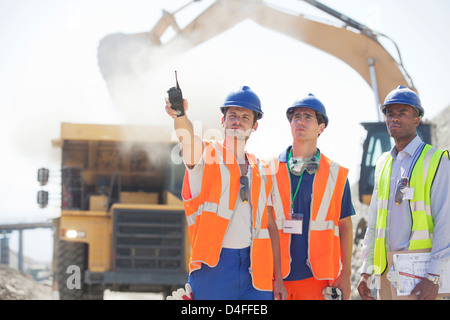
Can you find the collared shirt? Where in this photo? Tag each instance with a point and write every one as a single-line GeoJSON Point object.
{"type": "Point", "coordinates": [399, 220]}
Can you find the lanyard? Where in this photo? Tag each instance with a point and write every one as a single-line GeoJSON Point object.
{"type": "Point", "coordinates": [299, 179]}
{"type": "Point", "coordinates": [296, 190]}
{"type": "Point", "coordinates": [415, 157]}
{"type": "Point", "coordinates": [298, 184]}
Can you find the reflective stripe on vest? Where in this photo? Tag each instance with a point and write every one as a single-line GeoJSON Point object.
{"type": "Point", "coordinates": [261, 267]}
{"type": "Point", "coordinates": [323, 238]}
{"type": "Point", "coordinates": [421, 180]}
{"type": "Point", "coordinates": [208, 215]}
{"type": "Point", "coordinates": [281, 203]}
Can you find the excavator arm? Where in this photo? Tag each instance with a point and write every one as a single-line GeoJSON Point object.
{"type": "Point", "coordinates": [353, 43]}
{"type": "Point", "coordinates": [123, 58]}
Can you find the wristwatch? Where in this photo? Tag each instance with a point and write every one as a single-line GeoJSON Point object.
{"type": "Point", "coordinates": [433, 278]}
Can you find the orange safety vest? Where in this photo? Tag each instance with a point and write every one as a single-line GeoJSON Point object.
{"type": "Point", "coordinates": [323, 235]}
{"type": "Point", "coordinates": [209, 214]}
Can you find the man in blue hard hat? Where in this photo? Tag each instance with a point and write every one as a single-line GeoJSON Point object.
{"type": "Point", "coordinates": [233, 236]}
{"type": "Point", "coordinates": [312, 203]}
{"type": "Point", "coordinates": [410, 203]}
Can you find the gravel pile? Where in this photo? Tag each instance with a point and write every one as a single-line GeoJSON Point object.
{"type": "Point", "coordinates": [17, 285]}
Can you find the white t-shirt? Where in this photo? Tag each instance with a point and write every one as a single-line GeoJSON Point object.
{"type": "Point", "coordinates": [238, 235]}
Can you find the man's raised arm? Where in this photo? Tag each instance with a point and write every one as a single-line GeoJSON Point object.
{"type": "Point", "coordinates": [191, 145]}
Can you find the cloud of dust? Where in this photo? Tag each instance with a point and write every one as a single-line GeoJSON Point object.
{"type": "Point", "coordinates": [138, 74]}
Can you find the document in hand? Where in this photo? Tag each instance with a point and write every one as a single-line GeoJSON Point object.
{"type": "Point", "coordinates": [409, 268]}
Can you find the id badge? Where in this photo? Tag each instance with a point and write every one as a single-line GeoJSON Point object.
{"type": "Point", "coordinates": [408, 193]}
{"type": "Point", "coordinates": [294, 225]}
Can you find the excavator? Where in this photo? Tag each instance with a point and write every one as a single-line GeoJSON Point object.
{"type": "Point", "coordinates": [122, 218]}
{"type": "Point", "coordinates": [353, 42]}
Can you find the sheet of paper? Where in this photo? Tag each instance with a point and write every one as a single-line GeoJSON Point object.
{"type": "Point", "coordinates": [416, 264]}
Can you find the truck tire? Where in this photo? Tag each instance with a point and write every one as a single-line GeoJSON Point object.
{"type": "Point", "coordinates": [71, 265]}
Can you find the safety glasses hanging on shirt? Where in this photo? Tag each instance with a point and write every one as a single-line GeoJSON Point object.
{"type": "Point", "coordinates": [245, 189]}
{"type": "Point", "coordinates": [298, 165]}
{"type": "Point", "coordinates": [402, 184]}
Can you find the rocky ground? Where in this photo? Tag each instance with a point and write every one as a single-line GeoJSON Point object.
{"type": "Point", "coordinates": [17, 285]}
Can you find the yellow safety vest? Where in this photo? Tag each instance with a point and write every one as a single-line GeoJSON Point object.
{"type": "Point", "coordinates": [421, 180]}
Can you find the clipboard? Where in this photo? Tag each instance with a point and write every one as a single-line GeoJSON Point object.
{"type": "Point", "coordinates": [393, 275]}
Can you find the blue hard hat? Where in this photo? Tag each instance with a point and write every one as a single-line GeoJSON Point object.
{"type": "Point", "coordinates": [309, 102]}
{"type": "Point", "coordinates": [403, 95]}
{"type": "Point", "coordinates": [243, 97]}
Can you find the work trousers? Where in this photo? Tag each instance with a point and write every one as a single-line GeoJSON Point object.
{"type": "Point", "coordinates": [230, 279]}
{"type": "Point", "coordinates": [306, 289]}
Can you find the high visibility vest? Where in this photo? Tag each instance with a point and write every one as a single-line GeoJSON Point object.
{"type": "Point", "coordinates": [208, 214]}
{"type": "Point", "coordinates": [323, 235]}
{"type": "Point", "coordinates": [421, 180]}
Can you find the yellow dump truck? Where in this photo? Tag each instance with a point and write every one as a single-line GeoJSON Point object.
{"type": "Point", "coordinates": [122, 224]}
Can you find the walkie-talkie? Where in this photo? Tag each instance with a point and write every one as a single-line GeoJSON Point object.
{"type": "Point", "coordinates": [176, 98]}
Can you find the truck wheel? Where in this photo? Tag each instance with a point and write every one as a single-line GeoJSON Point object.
{"type": "Point", "coordinates": [71, 264]}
